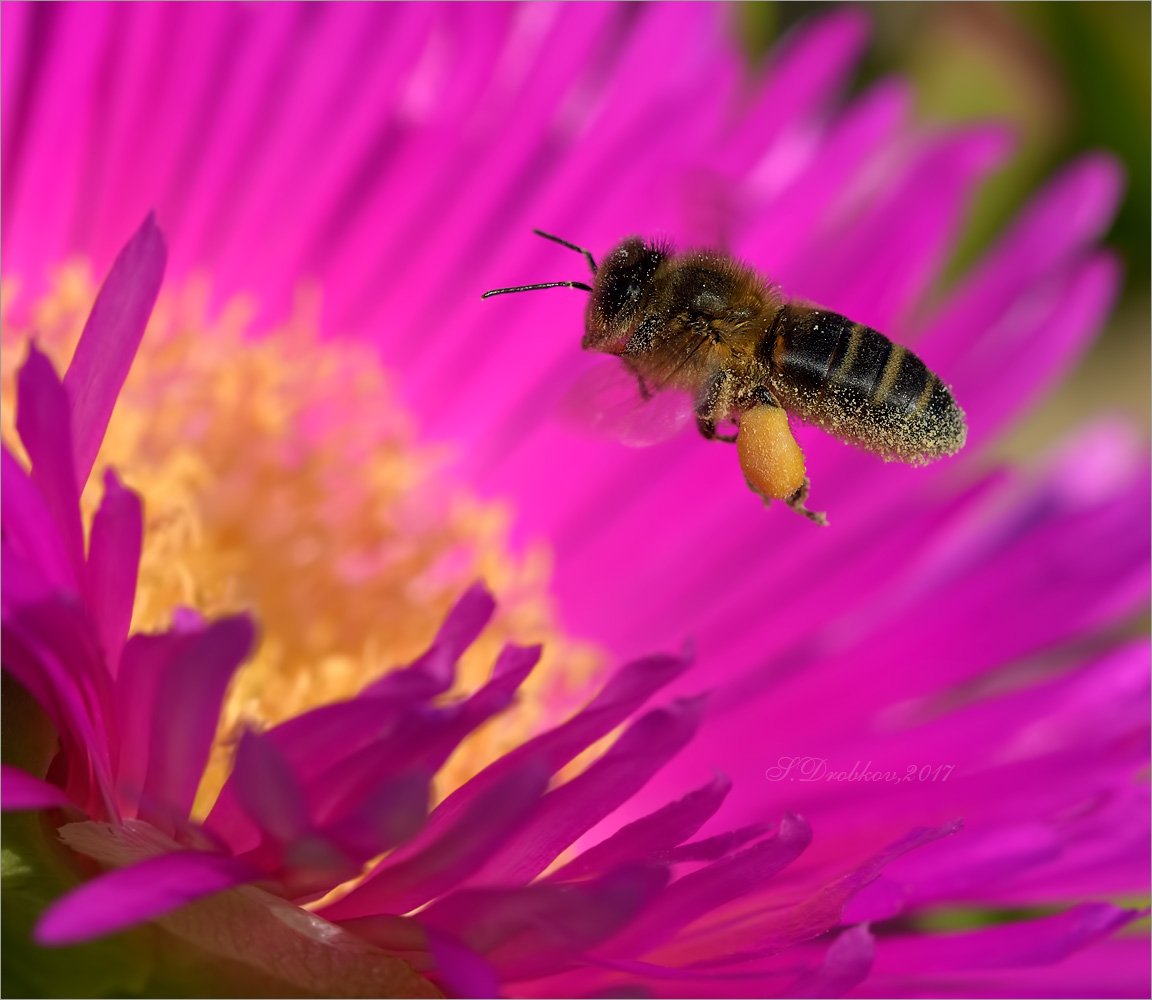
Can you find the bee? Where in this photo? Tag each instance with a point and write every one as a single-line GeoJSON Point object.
{"type": "Point", "coordinates": [702, 323]}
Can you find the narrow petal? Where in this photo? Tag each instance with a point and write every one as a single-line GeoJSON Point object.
{"type": "Point", "coordinates": [187, 710]}
{"type": "Point", "coordinates": [133, 895]}
{"type": "Point", "coordinates": [142, 668]}
{"type": "Point", "coordinates": [391, 814]}
{"type": "Point", "coordinates": [114, 547]}
{"type": "Point", "coordinates": [528, 923]}
{"type": "Point", "coordinates": [44, 425]}
{"type": "Point", "coordinates": [651, 836]}
{"type": "Point", "coordinates": [625, 691]}
{"type": "Point", "coordinates": [575, 807]}
{"type": "Point", "coordinates": [433, 672]}
{"type": "Point", "coordinates": [19, 790]}
{"type": "Point", "coordinates": [459, 970]}
{"type": "Point", "coordinates": [702, 891]}
{"type": "Point", "coordinates": [422, 738]}
{"type": "Point", "coordinates": [1026, 942]}
{"type": "Point", "coordinates": [398, 886]}
{"type": "Point", "coordinates": [110, 339]}
{"type": "Point", "coordinates": [807, 69]}
{"type": "Point", "coordinates": [846, 964]}
{"type": "Point", "coordinates": [267, 789]}
{"type": "Point", "coordinates": [29, 527]}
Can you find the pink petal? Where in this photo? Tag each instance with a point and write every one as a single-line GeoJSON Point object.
{"type": "Point", "coordinates": [398, 886]}
{"type": "Point", "coordinates": [422, 738]}
{"type": "Point", "coordinates": [1026, 942]}
{"type": "Point", "coordinates": [459, 970]}
{"type": "Point", "coordinates": [530, 922]}
{"type": "Point", "coordinates": [1116, 967]}
{"type": "Point", "coordinates": [126, 896]}
{"type": "Point", "coordinates": [19, 790]}
{"type": "Point", "coordinates": [627, 689]}
{"type": "Point", "coordinates": [29, 528]}
{"type": "Point", "coordinates": [267, 789]}
{"type": "Point", "coordinates": [574, 808]}
{"type": "Point", "coordinates": [145, 657]}
{"type": "Point", "coordinates": [42, 420]}
{"type": "Point", "coordinates": [808, 67]}
{"type": "Point", "coordinates": [113, 561]}
{"type": "Point", "coordinates": [652, 836]}
{"type": "Point", "coordinates": [846, 964]}
{"type": "Point", "coordinates": [43, 171]}
{"type": "Point", "coordinates": [187, 709]}
{"type": "Point", "coordinates": [702, 891]}
{"type": "Point", "coordinates": [712, 848]}
{"type": "Point", "coordinates": [51, 650]}
{"type": "Point", "coordinates": [433, 672]}
{"type": "Point", "coordinates": [108, 344]}
{"type": "Point", "coordinates": [391, 814]}
{"type": "Point", "coordinates": [340, 752]}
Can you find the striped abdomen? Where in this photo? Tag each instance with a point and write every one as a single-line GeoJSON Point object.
{"type": "Point", "coordinates": [854, 382]}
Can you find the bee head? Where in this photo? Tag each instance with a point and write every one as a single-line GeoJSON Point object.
{"type": "Point", "coordinates": [622, 289]}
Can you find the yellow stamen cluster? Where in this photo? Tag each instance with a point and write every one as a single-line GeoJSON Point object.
{"type": "Point", "coordinates": [280, 476]}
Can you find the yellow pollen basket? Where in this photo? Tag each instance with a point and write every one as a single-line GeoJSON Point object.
{"type": "Point", "coordinates": [280, 476]}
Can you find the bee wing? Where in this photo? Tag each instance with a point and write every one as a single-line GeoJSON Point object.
{"type": "Point", "coordinates": [606, 400]}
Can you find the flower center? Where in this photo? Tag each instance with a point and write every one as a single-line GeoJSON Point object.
{"type": "Point", "coordinates": [281, 476]}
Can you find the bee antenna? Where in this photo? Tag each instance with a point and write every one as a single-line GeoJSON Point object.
{"type": "Point", "coordinates": [570, 246]}
{"type": "Point", "coordinates": [531, 288]}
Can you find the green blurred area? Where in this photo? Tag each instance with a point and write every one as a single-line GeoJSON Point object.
{"type": "Point", "coordinates": [1068, 77]}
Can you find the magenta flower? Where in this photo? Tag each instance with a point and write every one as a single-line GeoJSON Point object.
{"type": "Point", "coordinates": [907, 759]}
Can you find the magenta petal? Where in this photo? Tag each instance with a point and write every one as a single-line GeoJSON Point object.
{"type": "Point", "coordinates": [42, 420]}
{"type": "Point", "coordinates": [807, 67]}
{"type": "Point", "coordinates": [111, 336]}
{"type": "Point", "coordinates": [544, 916]}
{"type": "Point", "coordinates": [878, 900]}
{"type": "Point", "coordinates": [391, 814]}
{"type": "Point", "coordinates": [846, 964]}
{"type": "Point", "coordinates": [433, 672]}
{"type": "Point", "coordinates": [49, 647]}
{"type": "Point", "coordinates": [400, 886]}
{"type": "Point", "coordinates": [187, 710]}
{"type": "Point", "coordinates": [576, 919]}
{"type": "Point", "coordinates": [19, 790]}
{"type": "Point", "coordinates": [133, 895]}
{"type": "Point", "coordinates": [268, 790]}
{"type": "Point", "coordinates": [712, 848]}
{"type": "Point", "coordinates": [422, 737]}
{"type": "Point", "coordinates": [459, 970]}
{"type": "Point", "coordinates": [571, 810]}
{"type": "Point", "coordinates": [144, 660]}
{"type": "Point", "coordinates": [1028, 942]}
{"type": "Point", "coordinates": [720, 882]}
{"type": "Point", "coordinates": [627, 689]}
{"type": "Point", "coordinates": [113, 562]}
{"type": "Point", "coordinates": [28, 526]}
{"type": "Point", "coordinates": [651, 836]}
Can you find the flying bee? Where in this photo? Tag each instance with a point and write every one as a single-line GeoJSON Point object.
{"type": "Point", "coordinates": [704, 324]}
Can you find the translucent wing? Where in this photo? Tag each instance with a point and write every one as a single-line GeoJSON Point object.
{"type": "Point", "coordinates": [606, 399]}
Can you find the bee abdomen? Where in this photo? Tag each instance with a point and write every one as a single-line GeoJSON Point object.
{"type": "Point", "coordinates": [854, 382]}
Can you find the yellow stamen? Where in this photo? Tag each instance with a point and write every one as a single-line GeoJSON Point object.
{"type": "Point", "coordinates": [281, 476]}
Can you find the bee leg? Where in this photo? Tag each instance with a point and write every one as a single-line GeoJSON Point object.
{"type": "Point", "coordinates": [707, 428]}
{"type": "Point", "coordinates": [712, 403]}
{"type": "Point", "coordinates": [796, 502]}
